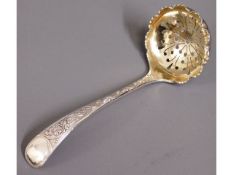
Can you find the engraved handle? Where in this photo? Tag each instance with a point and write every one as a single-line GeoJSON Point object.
{"type": "Point", "coordinates": [42, 146]}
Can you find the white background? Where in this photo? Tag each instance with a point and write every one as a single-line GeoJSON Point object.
{"type": "Point", "coordinates": [224, 88]}
{"type": "Point", "coordinates": [8, 86]}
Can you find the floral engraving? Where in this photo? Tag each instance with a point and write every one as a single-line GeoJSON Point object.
{"type": "Point", "coordinates": [56, 132]}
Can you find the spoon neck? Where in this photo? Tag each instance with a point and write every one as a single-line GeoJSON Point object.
{"type": "Point", "coordinates": [145, 80]}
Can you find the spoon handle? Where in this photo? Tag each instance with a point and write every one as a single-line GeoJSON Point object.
{"type": "Point", "coordinates": [42, 146]}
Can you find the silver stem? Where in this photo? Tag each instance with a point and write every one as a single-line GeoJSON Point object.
{"type": "Point", "coordinates": [42, 146]}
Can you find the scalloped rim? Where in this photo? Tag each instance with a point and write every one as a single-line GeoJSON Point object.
{"type": "Point", "coordinates": [195, 73]}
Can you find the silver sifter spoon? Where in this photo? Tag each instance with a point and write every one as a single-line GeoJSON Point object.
{"type": "Point", "coordinates": [177, 44]}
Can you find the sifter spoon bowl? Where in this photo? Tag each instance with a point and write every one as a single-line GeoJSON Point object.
{"type": "Point", "coordinates": [177, 45]}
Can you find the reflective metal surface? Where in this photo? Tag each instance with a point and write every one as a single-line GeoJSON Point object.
{"type": "Point", "coordinates": [177, 46]}
{"type": "Point", "coordinates": [177, 43]}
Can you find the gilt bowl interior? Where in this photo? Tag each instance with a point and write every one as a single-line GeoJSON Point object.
{"type": "Point", "coordinates": [177, 43]}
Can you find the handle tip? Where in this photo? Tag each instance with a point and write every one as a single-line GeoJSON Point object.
{"type": "Point", "coordinates": [38, 151]}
